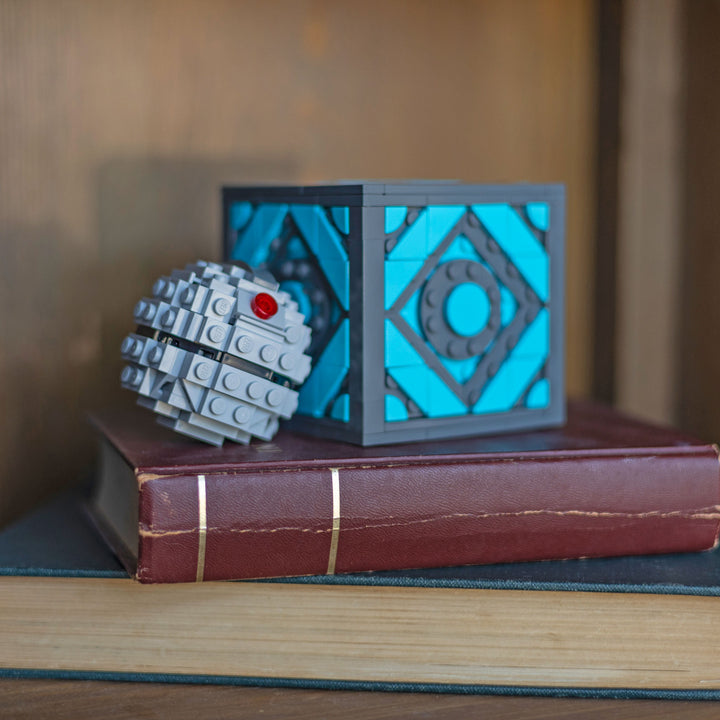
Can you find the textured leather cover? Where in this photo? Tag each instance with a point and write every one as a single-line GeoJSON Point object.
{"type": "Point", "coordinates": [604, 485]}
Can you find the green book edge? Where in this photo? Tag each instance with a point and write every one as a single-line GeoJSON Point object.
{"type": "Point", "coordinates": [59, 540]}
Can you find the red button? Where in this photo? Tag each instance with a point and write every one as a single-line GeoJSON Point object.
{"type": "Point", "coordinates": [264, 306]}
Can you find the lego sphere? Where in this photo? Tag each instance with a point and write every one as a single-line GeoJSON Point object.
{"type": "Point", "coordinates": [218, 353]}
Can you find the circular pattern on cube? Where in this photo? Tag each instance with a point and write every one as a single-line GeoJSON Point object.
{"type": "Point", "coordinates": [460, 309]}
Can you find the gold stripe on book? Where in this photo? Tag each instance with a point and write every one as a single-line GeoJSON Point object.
{"type": "Point", "coordinates": [202, 528]}
{"type": "Point", "coordinates": [335, 475]}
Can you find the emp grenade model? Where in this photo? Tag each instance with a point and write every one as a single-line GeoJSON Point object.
{"type": "Point", "coordinates": [218, 353]}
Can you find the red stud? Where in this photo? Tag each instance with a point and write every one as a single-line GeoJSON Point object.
{"type": "Point", "coordinates": [264, 306]}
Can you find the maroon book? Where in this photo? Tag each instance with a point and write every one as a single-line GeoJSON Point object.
{"type": "Point", "coordinates": [604, 485]}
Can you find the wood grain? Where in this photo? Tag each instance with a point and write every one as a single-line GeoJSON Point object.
{"type": "Point", "coordinates": [119, 121]}
{"type": "Point", "coordinates": [76, 700]}
{"type": "Point", "coordinates": [650, 214]}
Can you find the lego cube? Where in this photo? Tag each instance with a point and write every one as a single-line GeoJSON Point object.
{"type": "Point", "coordinates": [436, 308]}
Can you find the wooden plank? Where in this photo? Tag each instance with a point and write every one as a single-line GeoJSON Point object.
{"type": "Point", "coordinates": [649, 244]}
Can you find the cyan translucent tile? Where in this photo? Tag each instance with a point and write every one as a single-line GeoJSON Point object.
{"type": "Point", "coordinates": [398, 351]}
{"type": "Point", "coordinates": [254, 241]}
{"type": "Point", "coordinates": [395, 410]}
{"type": "Point", "coordinates": [539, 214]}
{"type": "Point", "coordinates": [398, 274]}
{"type": "Point", "coordinates": [394, 218]}
{"type": "Point", "coordinates": [341, 408]}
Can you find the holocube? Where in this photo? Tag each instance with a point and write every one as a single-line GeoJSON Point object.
{"type": "Point", "coordinates": [436, 308]}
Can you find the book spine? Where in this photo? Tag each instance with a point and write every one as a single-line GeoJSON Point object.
{"type": "Point", "coordinates": [395, 515]}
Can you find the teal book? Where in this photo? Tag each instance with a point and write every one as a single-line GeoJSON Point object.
{"type": "Point", "coordinates": [620, 627]}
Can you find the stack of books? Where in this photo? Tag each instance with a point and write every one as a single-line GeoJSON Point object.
{"type": "Point", "coordinates": [552, 561]}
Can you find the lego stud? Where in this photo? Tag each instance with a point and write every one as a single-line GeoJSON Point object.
{"type": "Point", "coordinates": [131, 347]}
{"type": "Point", "coordinates": [232, 381]}
{"type": "Point", "coordinates": [188, 296]}
{"type": "Point", "coordinates": [163, 289]}
{"type": "Point", "coordinates": [203, 371]}
{"type": "Point", "coordinates": [287, 361]}
{"type": "Point", "coordinates": [194, 355]}
{"type": "Point", "coordinates": [217, 406]}
{"type": "Point", "coordinates": [131, 376]}
{"type": "Point", "coordinates": [254, 390]}
{"type": "Point", "coordinates": [222, 306]}
{"type": "Point", "coordinates": [169, 318]}
{"type": "Point", "coordinates": [244, 344]}
{"type": "Point", "coordinates": [268, 353]}
{"type": "Point", "coordinates": [264, 306]}
{"type": "Point", "coordinates": [155, 355]}
{"type": "Point", "coordinates": [242, 414]}
{"type": "Point", "coordinates": [216, 334]}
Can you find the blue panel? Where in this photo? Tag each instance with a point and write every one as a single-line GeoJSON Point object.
{"type": "Point", "coordinates": [338, 275]}
{"type": "Point", "coordinates": [535, 340]}
{"type": "Point", "coordinates": [337, 352]}
{"type": "Point", "coordinates": [341, 408]}
{"type": "Point", "coordinates": [240, 213]}
{"type": "Point", "coordinates": [327, 246]}
{"type": "Point", "coordinates": [327, 374]}
{"type": "Point", "coordinates": [443, 401]}
{"type": "Point", "coordinates": [539, 395]}
{"type": "Point", "coordinates": [413, 242]}
{"type": "Point", "coordinates": [395, 410]}
{"type": "Point", "coordinates": [341, 218]}
{"type": "Point", "coordinates": [508, 305]}
{"type": "Point", "coordinates": [414, 381]}
{"type": "Point", "coordinates": [503, 391]}
{"type": "Point", "coordinates": [516, 239]}
{"type": "Point", "coordinates": [441, 220]}
{"type": "Point", "coordinates": [254, 243]}
{"type": "Point", "coordinates": [539, 214]}
{"type": "Point", "coordinates": [398, 274]}
{"type": "Point", "coordinates": [428, 391]}
{"type": "Point", "coordinates": [535, 271]}
{"type": "Point", "coordinates": [394, 218]}
{"type": "Point", "coordinates": [398, 351]}
{"type": "Point", "coordinates": [467, 309]}
{"type": "Point", "coordinates": [411, 312]}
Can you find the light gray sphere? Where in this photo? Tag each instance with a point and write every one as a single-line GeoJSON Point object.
{"type": "Point", "coordinates": [219, 352]}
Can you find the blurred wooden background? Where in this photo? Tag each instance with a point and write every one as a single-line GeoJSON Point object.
{"type": "Point", "coordinates": [119, 121]}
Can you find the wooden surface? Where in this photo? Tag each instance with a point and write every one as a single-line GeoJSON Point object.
{"type": "Point", "coordinates": [650, 238]}
{"type": "Point", "coordinates": [699, 347]}
{"type": "Point", "coordinates": [120, 120]}
{"type": "Point", "coordinates": [76, 700]}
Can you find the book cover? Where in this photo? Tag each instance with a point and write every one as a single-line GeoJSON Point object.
{"type": "Point", "coordinates": [619, 627]}
{"type": "Point", "coordinates": [604, 485]}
